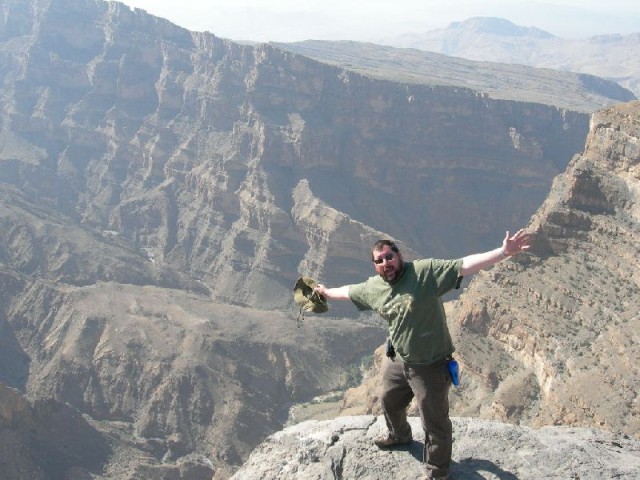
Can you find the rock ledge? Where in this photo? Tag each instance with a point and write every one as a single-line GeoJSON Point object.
{"type": "Point", "coordinates": [343, 449]}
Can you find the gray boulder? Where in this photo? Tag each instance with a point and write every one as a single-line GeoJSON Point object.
{"type": "Point", "coordinates": [343, 449]}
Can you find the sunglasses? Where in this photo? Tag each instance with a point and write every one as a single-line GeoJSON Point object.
{"type": "Point", "coordinates": [387, 256]}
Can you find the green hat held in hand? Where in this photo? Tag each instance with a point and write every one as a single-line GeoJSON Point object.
{"type": "Point", "coordinates": [306, 298]}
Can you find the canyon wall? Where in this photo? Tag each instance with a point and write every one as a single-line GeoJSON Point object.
{"type": "Point", "coordinates": [161, 190]}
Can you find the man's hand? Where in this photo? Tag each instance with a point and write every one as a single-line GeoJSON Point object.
{"type": "Point", "coordinates": [338, 293]}
{"type": "Point", "coordinates": [519, 242]}
{"type": "Point", "coordinates": [511, 245]}
{"type": "Point", "coordinates": [321, 290]}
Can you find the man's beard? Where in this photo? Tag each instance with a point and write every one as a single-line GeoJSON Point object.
{"type": "Point", "coordinates": [394, 273]}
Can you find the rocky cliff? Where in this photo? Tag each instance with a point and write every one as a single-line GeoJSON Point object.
{"type": "Point", "coordinates": [161, 190]}
{"type": "Point", "coordinates": [343, 449]}
{"type": "Point", "coordinates": [551, 337]}
{"type": "Point", "coordinates": [188, 375]}
{"type": "Point", "coordinates": [563, 321]}
{"type": "Point", "coordinates": [47, 440]}
{"type": "Point", "coordinates": [241, 167]}
{"type": "Point", "coordinates": [496, 77]}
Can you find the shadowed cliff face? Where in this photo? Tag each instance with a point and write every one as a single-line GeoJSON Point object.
{"type": "Point", "coordinates": [161, 190]}
{"type": "Point", "coordinates": [47, 440]}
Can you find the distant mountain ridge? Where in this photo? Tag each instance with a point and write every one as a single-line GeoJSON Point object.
{"type": "Point", "coordinates": [498, 27]}
{"type": "Point", "coordinates": [501, 81]}
{"type": "Point", "coordinates": [487, 39]}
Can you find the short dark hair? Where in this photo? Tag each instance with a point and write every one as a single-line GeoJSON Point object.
{"type": "Point", "coordinates": [380, 244]}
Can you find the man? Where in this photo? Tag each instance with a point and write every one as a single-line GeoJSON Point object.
{"type": "Point", "coordinates": [407, 295]}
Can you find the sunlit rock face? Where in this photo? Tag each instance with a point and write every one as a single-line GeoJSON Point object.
{"type": "Point", "coordinates": [344, 448]}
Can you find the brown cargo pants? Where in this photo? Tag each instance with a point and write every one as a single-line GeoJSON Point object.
{"type": "Point", "coordinates": [430, 385]}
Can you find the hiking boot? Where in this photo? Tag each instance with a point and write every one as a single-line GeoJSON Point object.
{"type": "Point", "coordinates": [390, 440]}
{"type": "Point", "coordinates": [429, 477]}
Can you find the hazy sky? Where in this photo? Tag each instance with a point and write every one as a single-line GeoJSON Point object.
{"type": "Point", "coordinates": [369, 20]}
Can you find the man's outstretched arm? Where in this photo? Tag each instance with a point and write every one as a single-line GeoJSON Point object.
{"type": "Point", "coordinates": [337, 293]}
{"type": "Point", "coordinates": [511, 245]}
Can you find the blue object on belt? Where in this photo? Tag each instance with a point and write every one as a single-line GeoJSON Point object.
{"type": "Point", "coordinates": [454, 371]}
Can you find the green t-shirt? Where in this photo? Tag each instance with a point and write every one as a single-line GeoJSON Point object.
{"type": "Point", "coordinates": [413, 307]}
